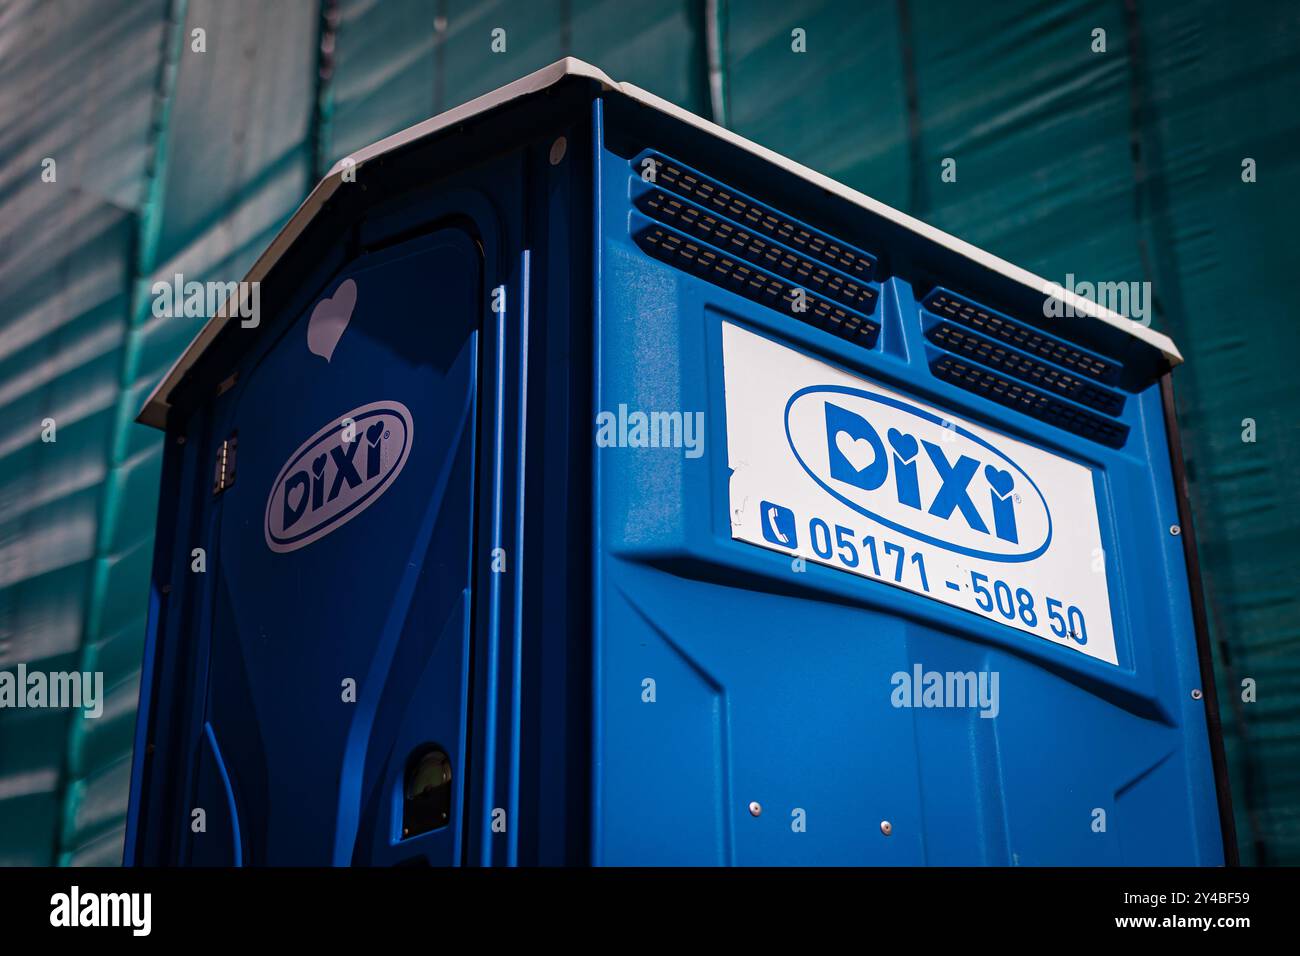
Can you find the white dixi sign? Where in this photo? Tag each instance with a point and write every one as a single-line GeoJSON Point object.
{"type": "Point", "coordinates": [849, 474]}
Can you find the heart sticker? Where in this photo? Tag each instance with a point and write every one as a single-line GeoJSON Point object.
{"type": "Point", "coordinates": [1000, 481]}
{"type": "Point", "coordinates": [856, 451]}
{"type": "Point", "coordinates": [330, 318]}
{"type": "Point", "coordinates": [904, 445]}
{"type": "Point", "coordinates": [374, 431]}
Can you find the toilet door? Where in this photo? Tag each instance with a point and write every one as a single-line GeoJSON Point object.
{"type": "Point", "coordinates": [335, 719]}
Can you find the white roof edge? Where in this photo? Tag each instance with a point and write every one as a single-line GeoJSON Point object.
{"type": "Point", "coordinates": [156, 406]}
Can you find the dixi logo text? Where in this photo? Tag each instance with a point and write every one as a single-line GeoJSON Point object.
{"type": "Point", "coordinates": [336, 474]}
{"type": "Point", "coordinates": [918, 474]}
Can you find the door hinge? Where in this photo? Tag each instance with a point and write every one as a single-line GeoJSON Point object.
{"type": "Point", "coordinates": [224, 475]}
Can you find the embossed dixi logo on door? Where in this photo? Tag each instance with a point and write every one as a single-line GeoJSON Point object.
{"type": "Point", "coordinates": [337, 473]}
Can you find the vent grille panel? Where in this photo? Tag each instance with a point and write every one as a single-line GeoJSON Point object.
{"type": "Point", "coordinates": [1004, 329]}
{"type": "Point", "coordinates": [700, 259]}
{"type": "Point", "coordinates": [696, 224]}
{"type": "Point", "coordinates": [810, 275]}
{"type": "Point", "coordinates": [1053, 411]}
{"type": "Point", "coordinates": [1027, 369]}
{"type": "Point", "coordinates": [755, 216]}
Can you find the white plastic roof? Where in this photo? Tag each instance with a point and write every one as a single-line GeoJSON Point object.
{"type": "Point", "coordinates": [156, 407]}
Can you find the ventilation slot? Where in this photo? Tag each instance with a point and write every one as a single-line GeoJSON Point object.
{"type": "Point", "coordinates": [1026, 369]}
{"type": "Point", "coordinates": [755, 284]}
{"type": "Point", "coordinates": [1044, 407]}
{"type": "Point", "coordinates": [753, 215]}
{"type": "Point", "coordinates": [731, 239]}
{"type": "Point", "coordinates": [998, 326]}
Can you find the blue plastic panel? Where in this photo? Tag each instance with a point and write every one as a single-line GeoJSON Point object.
{"type": "Point", "coordinates": [744, 710]}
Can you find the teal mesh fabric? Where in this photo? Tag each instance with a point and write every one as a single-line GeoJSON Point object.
{"type": "Point", "coordinates": [1109, 166]}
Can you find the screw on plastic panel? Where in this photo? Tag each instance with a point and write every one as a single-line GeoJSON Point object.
{"type": "Point", "coordinates": [180, 439]}
{"type": "Point", "coordinates": [1196, 694]}
{"type": "Point", "coordinates": [166, 589]}
{"type": "Point", "coordinates": [886, 827]}
{"type": "Point", "coordinates": [1175, 530]}
{"type": "Point", "coordinates": [755, 808]}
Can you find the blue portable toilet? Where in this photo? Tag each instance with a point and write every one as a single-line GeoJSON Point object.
{"type": "Point", "coordinates": [594, 486]}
